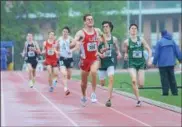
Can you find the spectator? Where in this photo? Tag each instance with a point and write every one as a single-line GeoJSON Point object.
{"type": "Point", "coordinates": [166, 52]}
{"type": "Point", "coordinates": [4, 59]}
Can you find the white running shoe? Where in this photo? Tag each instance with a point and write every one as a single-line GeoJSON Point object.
{"type": "Point", "coordinates": [54, 82]}
{"type": "Point", "coordinates": [93, 98]}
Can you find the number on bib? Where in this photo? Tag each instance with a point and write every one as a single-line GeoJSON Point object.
{"type": "Point", "coordinates": [137, 54]}
{"type": "Point", "coordinates": [50, 52]}
{"type": "Point", "coordinates": [63, 46]}
{"type": "Point", "coordinates": [92, 46]}
{"type": "Point", "coordinates": [31, 54]}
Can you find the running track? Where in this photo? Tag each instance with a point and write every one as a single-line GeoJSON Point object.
{"type": "Point", "coordinates": [23, 106]}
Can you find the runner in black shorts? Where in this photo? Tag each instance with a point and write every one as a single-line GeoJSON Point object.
{"type": "Point", "coordinates": [30, 53]}
{"type": "Point", "coordinates": [66, 58]}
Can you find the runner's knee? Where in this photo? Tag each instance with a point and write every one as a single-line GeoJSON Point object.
{"type": "Point", "coordinates": [110, 80]}
{"type": "Point", "coordinates": [134, 82]}
{"type": "Point", "coordinates": [93, 72]}
{"type": "Point", "coordinates": [68, 76]}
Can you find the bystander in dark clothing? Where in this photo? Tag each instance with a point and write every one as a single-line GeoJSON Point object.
{"type": "Point", "coordinates": [166, 52]}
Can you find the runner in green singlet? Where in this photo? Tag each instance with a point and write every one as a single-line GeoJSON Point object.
{"type": "Point", "coordinates": [134, 52]}
{"type": "Point", "coordinates": [107, 59]}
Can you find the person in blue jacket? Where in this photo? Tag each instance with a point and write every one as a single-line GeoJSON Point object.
{"type": "Point", "coordinates": [166, 52]}
{"type": "Point", "coordinates": [3, 58]}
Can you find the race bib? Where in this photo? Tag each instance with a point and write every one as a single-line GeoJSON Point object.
{"type": "Point", "coordinates": [92, 46]}
{"type": "Point", "coordinates": [63, 46]}
{"type": "Point", "coordinates": [107, 53]}
{"type": "Point", "coordinates": [31, 54]}
{"type": "Point", "coordinates": [50, 52]}
{"type": "Point", "coordinates": [137, 54]}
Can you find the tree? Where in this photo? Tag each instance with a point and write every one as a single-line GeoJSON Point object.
{"type": "Point", "coordinates": [99, 10]}
{"type": "Point", "coordinates": [15, 23]}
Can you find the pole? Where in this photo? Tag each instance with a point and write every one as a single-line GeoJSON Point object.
{"type": "Point", "coordinates": [128, 17]}
{"type": "Point", "coordinates": [13, 59]}
{"type": "Point", "coordinates": [140, 18]}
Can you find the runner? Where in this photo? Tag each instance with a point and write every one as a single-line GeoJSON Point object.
{"type": "Point", "coordinates": [30, 54]}
{"type": "Point", "coordinates": [107, 63]}
{"type": "Point", "coordinates": [66, 59]}
{"type": "Point", "coordinates": [88, 40]}
{"type": "Point", "coordinates": [50, 49]}
{"type": "Point", "coordinates": [134, 52]}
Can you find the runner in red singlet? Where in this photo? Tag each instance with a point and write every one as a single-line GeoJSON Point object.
{"type": "Point", "coordinates": [87, 39]}
{"type": "Point", "coordinates": [50, 49]}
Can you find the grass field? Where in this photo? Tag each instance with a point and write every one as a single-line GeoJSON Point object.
{"type": "Point", "coordinates": [151, 79]}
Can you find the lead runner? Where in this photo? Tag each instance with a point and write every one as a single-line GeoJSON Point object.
{"type": "Point", "coordinates": [88, 40]}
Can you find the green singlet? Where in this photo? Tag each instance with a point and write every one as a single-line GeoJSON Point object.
{"type": "Point", "coordinates": [135, 54]}
{"type": "Point", "coordinates": [108, 60]}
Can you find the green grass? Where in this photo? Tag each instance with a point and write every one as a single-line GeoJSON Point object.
{"type": "Point", "coordinates": [151, 79]}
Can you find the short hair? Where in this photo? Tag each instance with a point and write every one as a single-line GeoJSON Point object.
{"type": "Point", "coordinates": [67, 28]}
{"type": "Point", "coordinates": [133, 25]}
{"type": "Point", "coordinates": [51, 32]}
{"type": "Point", "coordinates": [110, 24]}
{"type": "Point", "coordinates": [85, 16]}
{"type": "Point", "coordinates": [29, 33]}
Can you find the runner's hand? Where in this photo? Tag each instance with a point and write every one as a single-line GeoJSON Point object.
{"type": "Point", "coordinates": [104, 50]}
{"type": "Point", "coordinates": [43, 52]}
{"type": "Point", "coordinates": [22, 54]}
{"type": "Point", "coordinates": [126, 56]}
{"type": "Point", "coordinates": [150, 62]}
{"type": "Point", "coordinates": [119, 56]}
{"type": "Point", "coordinates": [101, 55]}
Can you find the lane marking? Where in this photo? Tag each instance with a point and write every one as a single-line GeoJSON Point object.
{"type": "Point", "coordinates": [2, 107]}
{"type": "Point", "coordinates": [53, 105]}
{"type": "Point", "coordinates": [119, 112]}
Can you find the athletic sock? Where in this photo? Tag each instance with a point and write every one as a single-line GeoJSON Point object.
{"type": "Point", "coordinates": [65, 87]}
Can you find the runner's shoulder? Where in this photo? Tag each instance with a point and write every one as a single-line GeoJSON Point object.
{"type": "Point", "coordinates": [126, 41]}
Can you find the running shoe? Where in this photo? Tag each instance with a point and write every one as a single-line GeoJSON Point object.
{"type": "Point", "coordinates": [51, 89]}
{"type": "Point", "coordinates": [93, 98]}
{"type": "Point", "coordinates": [108, 103]}
{"type": "Point", "coordinates": [67, 92]}
{"type": "Point", "coordinates": [138, 104]}
{"type": "Point", "coordinates": [54, 83]}
{"type": "Point", "coordinates": [83, 101]}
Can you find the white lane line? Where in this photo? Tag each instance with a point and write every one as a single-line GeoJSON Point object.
{"type": "Point", "coordinates": [2, 107]}
{"type": "Point", "coordinates": [119, 112]}
{"type": "Point", "coordinates": [53, 105]}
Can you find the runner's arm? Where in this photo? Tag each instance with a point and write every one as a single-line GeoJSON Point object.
{"type": "Point", "coordinates": [146, 46]}
{"type": "Point", "coordinates": [72, 43]}
{"type": "Point", "coordinates": [58, 48]}
{"type": "Point", "coordinates": [24, 50]}
{"type": "Point", "coordinates": [103, 37]}
{"type": "Point", "coordinates": [43, 49]}
{"type": "Point", "coordinates": [126, 49]}
{"type": "Point", "coordinates": [115, 40]}
{"type": "Point", "coordinates": [77, 40]}
{"type": "Point", "coordinates": [37, 50]}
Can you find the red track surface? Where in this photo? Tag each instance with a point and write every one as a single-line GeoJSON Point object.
{"type": "Point", "coordinates": [23, 106]}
